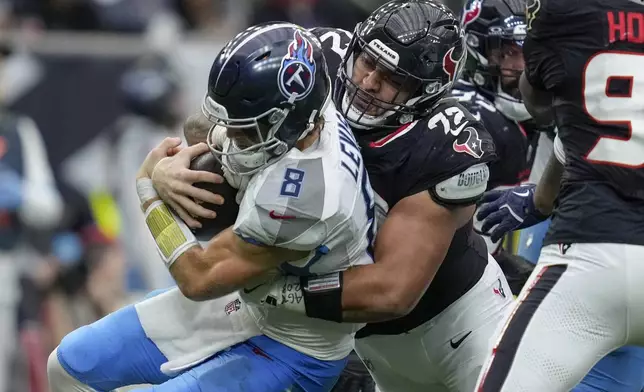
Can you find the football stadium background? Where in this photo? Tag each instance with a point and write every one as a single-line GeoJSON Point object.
{"type": "Point", "coordinates": [62, 64]}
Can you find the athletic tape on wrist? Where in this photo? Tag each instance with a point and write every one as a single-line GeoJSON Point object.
{"type": "Point", "coordinates": [171, 235]}
{"type": "Point", "coordinates": [145, 190]}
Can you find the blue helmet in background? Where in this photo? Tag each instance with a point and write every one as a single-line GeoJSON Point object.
{"type": "Point", "coordinates": [267, 89]}
{"type": "Point", "coordinates": [495, 29]}
{"type": "Point", "coordinates": [150, 88]}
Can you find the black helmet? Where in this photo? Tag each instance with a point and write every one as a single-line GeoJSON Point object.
{"type": "Point", "coordinates": [269, 86]}
{"type": "Point", "coordinates": [150, 88]}
{"type": "Point", "coordinates": [494, 29]}
{"type": "Point", "coordinates": [417, 46]}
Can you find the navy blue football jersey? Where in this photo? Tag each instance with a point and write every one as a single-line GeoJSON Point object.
{"type": "Point", "coordinates": [334, 46]}
{"type": "Point", "coordinates": [449, 159]}
{"type": "Point", "coordinates": [446, 154]}
{"type": "Point", "coordinates": [590, 56]}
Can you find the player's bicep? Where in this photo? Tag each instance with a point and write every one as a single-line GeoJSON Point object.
{"type": "Point", "coordinates": [414, 239]}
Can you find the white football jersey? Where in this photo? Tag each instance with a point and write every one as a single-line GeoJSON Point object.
{"type": "Point", "coordinates": [317, 200]}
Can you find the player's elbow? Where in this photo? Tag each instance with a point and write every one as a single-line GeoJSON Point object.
{"type": "Point", "coordinates": [397, 301]}
{"type": "Point", "coordinates": [194, 291]}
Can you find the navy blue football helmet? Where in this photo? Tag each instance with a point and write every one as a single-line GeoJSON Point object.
{"type": "Point", "coordinates": [494, 30]}
{"type": "Point", "coordinates": [417, 46]}
{"type": "Point", "coordinates": [267, 89]}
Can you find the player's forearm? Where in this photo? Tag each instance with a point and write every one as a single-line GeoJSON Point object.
{"type": "Point", "coordinates": [201, 277]}
{"type": "Point", "coordinates": [548, 188]}
{"type": "Point", "coordinates": [197, 272]}
{"type": "Point", "coordinates": [370, 294]}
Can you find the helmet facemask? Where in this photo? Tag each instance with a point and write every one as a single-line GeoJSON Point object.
{"type": "Point", "coordinates": [250, 144]}
{"type": "Point", "coordinates": [374, 91]}
{"type": "Point", "coordinates": [500, 65]}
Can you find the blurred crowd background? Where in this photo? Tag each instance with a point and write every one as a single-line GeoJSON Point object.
{"type": "Point", "coordinates": [87, 88]}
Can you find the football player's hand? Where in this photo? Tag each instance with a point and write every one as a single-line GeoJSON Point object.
{"type": "Point", "coordinates": [10, 188]}
{"type": "Point", "coordinates": [507, 210]}
{"type": "Point", "coordinates": [173, 180]}
{"type": "Point", "coordinates": [168, 147]}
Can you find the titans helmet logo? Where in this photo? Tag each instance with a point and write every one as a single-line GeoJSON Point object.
{"type": "Point", "coordinates": [296, 76]}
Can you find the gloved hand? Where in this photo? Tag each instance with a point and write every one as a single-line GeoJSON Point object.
{"type": "Point", "coordinates": [508, 209]}
{"type": "Point", "coordinates": [11, 194]}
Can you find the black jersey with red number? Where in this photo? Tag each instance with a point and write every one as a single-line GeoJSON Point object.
{"type": "Point", "coordinates": [450, 161]}
{"type": "Point", "coordinates": [446, 154]}
{"type": "Point", "coordinates": [590, 55]}
{"type": "Point", "coordinates": [334, 46]}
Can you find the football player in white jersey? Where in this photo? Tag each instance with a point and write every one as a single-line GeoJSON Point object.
{"type": "Point", "coordinates": [307, 209]}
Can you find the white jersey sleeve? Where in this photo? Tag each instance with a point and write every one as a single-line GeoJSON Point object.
{"type": "Point", "coordinates": [317, 200]}
{"type": "Point", "coordinates": [284, 205]}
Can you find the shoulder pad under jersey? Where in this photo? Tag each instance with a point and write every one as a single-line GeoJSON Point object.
{"type": "Point", "coordinates": [283, 206]}
{"type": "Point", "coordinates": [454, 152]}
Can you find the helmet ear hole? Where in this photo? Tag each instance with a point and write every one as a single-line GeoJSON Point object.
{"type": "Point", "coordinates": [263, 56]}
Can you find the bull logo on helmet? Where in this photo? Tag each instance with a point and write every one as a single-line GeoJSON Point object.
{"type": "Point", "coordinates": [531, 12]}
{"type": "Point", "coordinates": [471, 12]}
{"type": "Point", "coordinates": [451, 65]}
{"type": "Point", "coordinates": [296, 76]}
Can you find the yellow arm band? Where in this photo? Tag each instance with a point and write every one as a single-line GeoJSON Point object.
{"type": "Point", "coordinates": [171, 235]}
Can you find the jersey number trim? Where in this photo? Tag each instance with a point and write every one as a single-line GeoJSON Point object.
{"type": "Point", "coordinates": [454, 114]}
{"type": "Point", "coordinates": [336, 41]}
{"type": "Point", "coordinates": [602, 71]}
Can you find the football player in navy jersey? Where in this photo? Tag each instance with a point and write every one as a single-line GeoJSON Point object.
{"type": "Point", "coordinates": [489, 89]}
{"type": "Point", "coordinates": [585, 298]}
{"type": "Point", "coordinates": [495, 32]}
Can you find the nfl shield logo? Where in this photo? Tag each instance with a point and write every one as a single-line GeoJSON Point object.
{"type": "Point", "coordinates": [297, 72]}
{"type": "Point", "coordinates": [233, 306]}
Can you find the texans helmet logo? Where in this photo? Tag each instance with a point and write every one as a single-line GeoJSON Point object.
{"type": "Point", "coordinates": [471, 12]}
{"type": "Point", "coordinates": [296, 76]}
{"type": "Point", "coordinates": [531, 12]}
{"type": "Point", "coordinates": [451, 65]}
{"type": "Point", "coordinates": [472, 145]}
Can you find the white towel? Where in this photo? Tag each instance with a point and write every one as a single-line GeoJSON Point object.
{"type": "Point", "coordinates": [189, 332]}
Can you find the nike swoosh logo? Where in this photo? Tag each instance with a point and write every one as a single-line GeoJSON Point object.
{"type": "Point", "coordinates": [457, 343]}
{"type": "Point", "coordinates": [522, 194]}
{"type": "Point", "coordinates": [458, 130]}
{"type": "Point", "coordinates": [275, 215]}
{"type": "Point", "coordinates": [248, 291]}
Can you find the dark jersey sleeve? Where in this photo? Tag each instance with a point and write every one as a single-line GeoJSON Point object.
{"type": "Point", "coordinates": [451, 156]}
{"type": "Point", "coordinates": [544, 67]}
{"type": "Point", "coordinates": [334, 45]}
{"type": "Point", "coordinates": [510, 140]}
